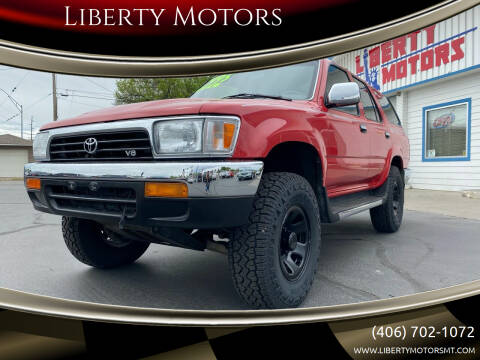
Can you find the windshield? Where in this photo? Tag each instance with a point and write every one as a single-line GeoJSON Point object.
{"type": "Point", "coordinates": [293, 82]}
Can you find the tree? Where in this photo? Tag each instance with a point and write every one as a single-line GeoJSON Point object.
{"type": "Point", "coordinates": [138, 90]}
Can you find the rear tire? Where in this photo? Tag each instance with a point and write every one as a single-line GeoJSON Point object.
{"type": "Point", "coordinates": [90, 244]}
{"type": "Point", "coordinates": [274, 258]}
{"type": "Point", "coordinates": [387, 218]}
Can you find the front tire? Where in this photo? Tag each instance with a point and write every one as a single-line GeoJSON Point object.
{"type": "Point", "coordinates": [274, 258]}
{"type": "Point", "coordinates": [89, 243]}
{"type": "Point", "coordinates": [387, 218]}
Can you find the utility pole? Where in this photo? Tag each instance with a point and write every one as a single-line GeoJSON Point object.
{"type": "Point", "coordinates": [54, 93]}
{"type": "Point", "coordinates": [21, 121]}
{"type": "Point", "coordinates": [31, 128]}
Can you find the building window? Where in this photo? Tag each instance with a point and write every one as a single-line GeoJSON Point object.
{"type": "Point", "coordinates": [446, 131]}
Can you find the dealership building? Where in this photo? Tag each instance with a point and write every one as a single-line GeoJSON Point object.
{"type": "Point", "coordinates": [432, 77]}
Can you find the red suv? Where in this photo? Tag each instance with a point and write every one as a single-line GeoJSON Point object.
{"type": "Point", "coordinates": [305, 144]}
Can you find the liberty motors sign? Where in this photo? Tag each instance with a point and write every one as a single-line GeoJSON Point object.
{"type": "Point", "coordinates": [439, 50]}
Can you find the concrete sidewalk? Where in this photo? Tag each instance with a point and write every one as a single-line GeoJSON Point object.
{"type": "Point", "coordinates": [450, 203]}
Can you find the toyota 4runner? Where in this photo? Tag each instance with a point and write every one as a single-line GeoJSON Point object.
{"type": "Point", "coordinates": [252, 164]}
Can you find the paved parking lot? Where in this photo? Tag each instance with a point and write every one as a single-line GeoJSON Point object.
{"type": "Point", "coordinates": [430, 251]}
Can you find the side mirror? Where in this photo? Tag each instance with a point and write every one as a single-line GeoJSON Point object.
{"type": "Point", "coordinates": [343, 94]}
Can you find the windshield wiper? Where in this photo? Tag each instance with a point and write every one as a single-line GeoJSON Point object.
{"type": "Point", "coordinates": [252, 96]}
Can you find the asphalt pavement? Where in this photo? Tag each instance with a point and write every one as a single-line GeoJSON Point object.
{"type": "Point", "coordinates": [430, 251]}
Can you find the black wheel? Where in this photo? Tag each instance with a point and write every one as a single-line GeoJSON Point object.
{"type": "Point", "coordinates": [387, 218]}
{"type": "Point", "coordinates": [274, 258]}
{"type": "Point", "coordinates": [92, 245]}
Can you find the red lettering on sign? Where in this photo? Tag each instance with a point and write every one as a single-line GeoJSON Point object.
{"type": "Point", "coordinates": [426, 62]}
{"type": "Point", "coordinates": [442, 53]}
{"type": "Point", "coordinates": [358, 66]}
{"type": "Point", "coordinates": [457, 48]}
{"type": "Point", "coordinates": [386, 51]}
{"type": "Point", "coordinates": [413, 63]}
{"type": "Point", "coordinates": [413, 40]}
{"type": "Point", "coordinates": [401, 70]}
{"type": "Point", "coordinates": [374, 57]}
{"type": "Point", "coordinates": [423, 61]}
{"type": "Point", "coordinates": [388, 74]}
{"type": "Point", "coordinates": [399, 45]}
{"type": "Point", "coordinates": [430, 34]}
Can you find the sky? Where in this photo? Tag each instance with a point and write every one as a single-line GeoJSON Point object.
{"type": "Point", "coordinates": [33, 90]}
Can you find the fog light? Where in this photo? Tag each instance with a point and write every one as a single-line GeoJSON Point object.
{"type": "Point", "coordinates": [166, 189]}
{"type": "Point", "coordinates": [33, 184]}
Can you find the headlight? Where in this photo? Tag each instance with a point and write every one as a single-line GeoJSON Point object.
{"type": "Point", "coordinates": [178, 136]}
{"type": "Point", "coordinates": [202, 136]}
{"type": "Point", "coordinates": [40, 144]}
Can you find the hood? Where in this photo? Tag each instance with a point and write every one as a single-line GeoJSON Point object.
{"type": "Point", "coordinates": [133, 111]}
{"type": "Point", "coordinates": [175, 107]}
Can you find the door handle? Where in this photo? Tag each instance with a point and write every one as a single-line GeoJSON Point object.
{"type": "Point", "coordinates": [387, 134]}
{"type": "Point", "coordinates": [363, 128]}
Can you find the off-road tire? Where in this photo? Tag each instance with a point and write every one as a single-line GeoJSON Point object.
{"type": "Point", "coordinates": [85, 241]}
{"type": "Point", "coordinates": [253, 250]}
{"type": "Point", "coordinates": [387, 218]}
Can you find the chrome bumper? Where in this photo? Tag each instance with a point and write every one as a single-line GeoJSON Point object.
{"type": "Point", "coordinates": [191, 173]}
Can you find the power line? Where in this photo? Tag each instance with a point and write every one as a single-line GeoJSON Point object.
{"type": "Point", "coordinates": [12, 117]}
{"type": "Point", "coordinates": [86, 91]}
{"type": "Point", "coordinates": [19, 108]}
{"type": "Point", "coordinates": [82, 92]}
{"type": "Point", "coordinates": [14, 88]}
{"type": "Point", "coordinates": [94, 82]}
{"type": "Point", "coordinates": [85, 96]}
{"type": "Point", "coordinates": [81, 103]}
{"type": "Point", "coordinates": [37, 101]}
{"type": "Point", "coordinates": [29, 106]}
{"type": "Point", "coordinates": [21, 80]}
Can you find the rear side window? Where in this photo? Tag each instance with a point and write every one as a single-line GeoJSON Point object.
{"type": "Point", "coordinates": [369, 107]}
{"type": "Point", "coordinates": [337, 76]}
{"type": "Point", "coordinates": [389, 111]}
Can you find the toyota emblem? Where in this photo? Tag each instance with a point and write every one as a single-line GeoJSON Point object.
{"type": "Point", "coordinates": [72, 185]}
{"type": "Point", "coordinates": [90, 145]}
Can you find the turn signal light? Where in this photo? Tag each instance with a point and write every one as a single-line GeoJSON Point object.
{"type": "Point", "coordinates": [228, 132]}
{"type": "Point", "coordinates": [220, 136]}
{"type": "Point", "coordinates": [33, 184]}
{"type": "Point", "coordinates": [166, 189]}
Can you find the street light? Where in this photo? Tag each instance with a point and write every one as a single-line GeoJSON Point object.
{"type": "Point", "coordinates": [19, 107]}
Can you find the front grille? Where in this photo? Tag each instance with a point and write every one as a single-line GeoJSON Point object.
{"type": "Point", "coordinates": [104, 200]}
{"type": "Point", "coordinates": [119, 145]}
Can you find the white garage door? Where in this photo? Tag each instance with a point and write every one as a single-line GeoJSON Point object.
{"type": "Point", "coordinates": [12, 161]}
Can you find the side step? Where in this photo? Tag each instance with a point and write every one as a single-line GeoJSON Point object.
{"type": "Point", "coordinates": [348, 205]}
{"type": "Point", "coordinates": [359, 209]}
